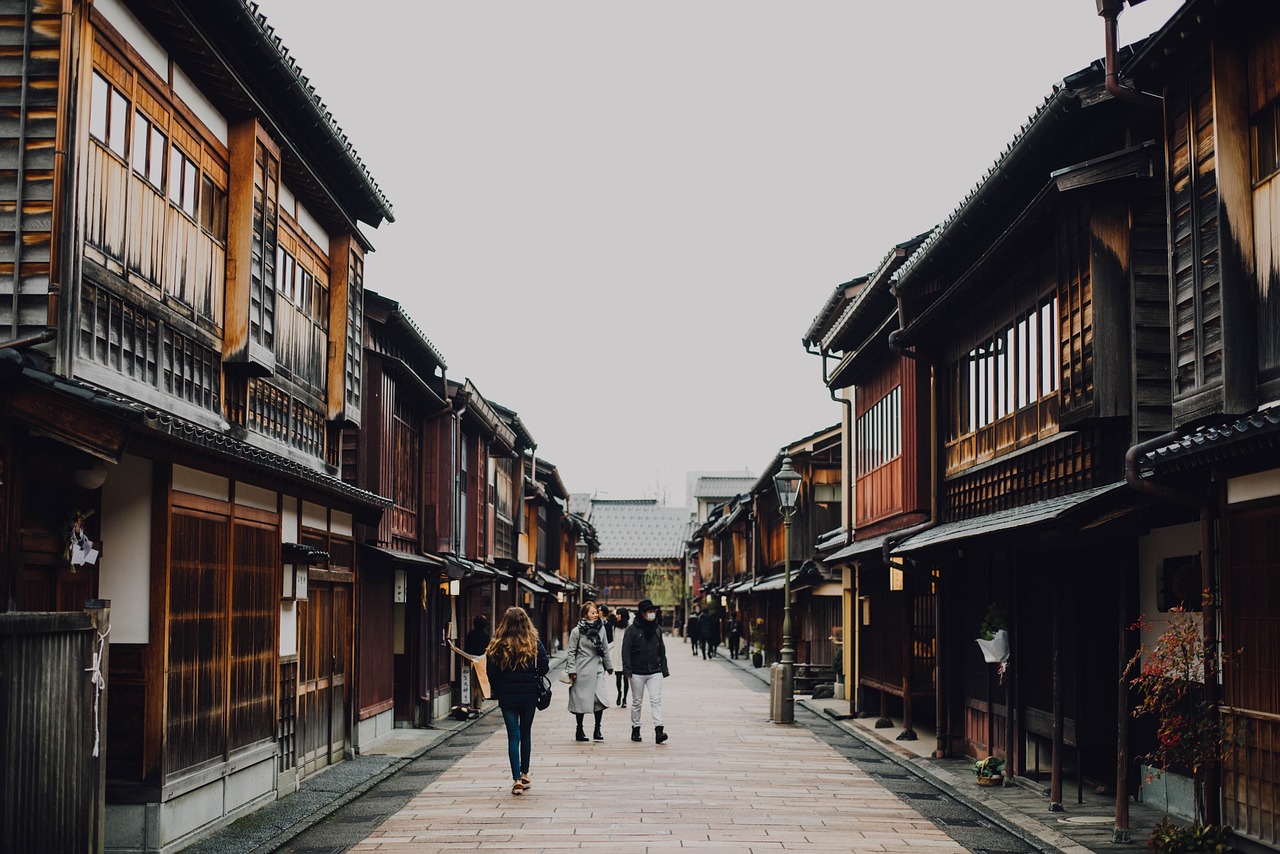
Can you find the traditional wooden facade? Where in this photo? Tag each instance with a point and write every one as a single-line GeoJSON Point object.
{"type": "Point", "coordinates": [399, 603]}
{"type": "Point", "coordinates": [892, 611]}
{"type": "Point", "coordinates": [181, 348]}
{"type": "Point", "coordinates": [1045, 330]}
{"type": "Point", "coordinates": [1216, 68]}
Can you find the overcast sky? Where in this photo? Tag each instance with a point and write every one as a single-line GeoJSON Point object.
{"type": "Point", "coordinates": [619, 219]}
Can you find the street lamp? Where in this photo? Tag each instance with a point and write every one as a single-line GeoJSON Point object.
{"type": "Point", "coordinates": [787, 482]}
{"type": "Point", "coordinates": [582, 570]}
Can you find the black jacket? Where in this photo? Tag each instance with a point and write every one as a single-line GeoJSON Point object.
{"type": "Point", "coordinates": [518, 689]}
{"type": "Point", "coordinates": [643, 650]}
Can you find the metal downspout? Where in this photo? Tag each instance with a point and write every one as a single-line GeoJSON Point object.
{"type": "Point", "coordinates": [1109, 11]}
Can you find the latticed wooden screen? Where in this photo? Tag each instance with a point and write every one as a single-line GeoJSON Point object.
{"type": "Point", "coordinates": [255, 614]}
{"type": "Point", "coordinates": [195, 726]}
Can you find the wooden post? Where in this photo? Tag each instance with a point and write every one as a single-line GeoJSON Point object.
{"type": "Point", "coordinates": [1055, 773]}
{"type": "Point", "coordinates": [1120, 833]}
{"type": "Point", "coordinates": [908, 618]}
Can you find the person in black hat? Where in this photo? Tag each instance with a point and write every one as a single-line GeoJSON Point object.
{"type": "Point", "coordinates": [644, 663]}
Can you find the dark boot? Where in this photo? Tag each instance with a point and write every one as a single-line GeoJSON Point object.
{"type": "Point", "coordinates": [659, 736]}
{"type": "Point", "coordinates": [635, 734]}
{"type": "Point", "coordinates": [580, 735]}
{"type": "Point", "coordinates": [598, 735]}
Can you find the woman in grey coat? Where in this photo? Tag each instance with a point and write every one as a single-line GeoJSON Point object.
{"type": "Point", "coordinates": [587, 661]}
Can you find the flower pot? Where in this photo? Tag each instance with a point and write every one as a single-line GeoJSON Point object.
{"type": "Point", "coordinates": [757, 659]}
{"type": "Point", "coordinates": [990, 781]}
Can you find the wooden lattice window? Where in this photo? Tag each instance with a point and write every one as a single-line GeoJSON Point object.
{"type": "Point", "coordinates": [302, 315]}
{"type": "Point", "coordinates": [196, 681]}
{"type": "Point", "coordinates": [272, 411]}
{"type": "Point", "coordinates": [266, 217]}
{"type": "Point", "coordinates": [132, 342]}
{"type": "Point", "coordinates": [1076, 295]}
{"type": "Point", "coordinates": [354, 362]}
{"type": "Point", "coordinates": [1193, 205]}
{"type": "Point", "coordinates": [406, 480]}
{"type": "Point", "coordinates": [255, 614]}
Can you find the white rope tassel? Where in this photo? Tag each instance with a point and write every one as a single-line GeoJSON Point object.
{"type": "Point", "coordinates": [99, 683]}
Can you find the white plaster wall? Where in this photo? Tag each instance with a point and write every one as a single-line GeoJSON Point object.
{"type": "Point", "coordinates": [288, 627]}
{"type": "Point", "coordinates": [342, 523]}
{"type": "Point", "coordinates": [315, 516]}
{"type": "Point", "coordinates": [125, 567]}
{"type": "Point", "coordinates": [312, 227]}
{"type": "Point", "coordinates": [1152, 550]}
{"type": "Point", "coordinates": [256, 497]}
{"type": "Point", "coordinates": [1263, 484]}
{"type": "Point", "coordinates": [199, 104]}
{"type": "Point", "coordinates": [136, 34]}
{"type": "Point", "coordinates": [201, 483]}
{"type": "Point", "coordinates": [289, 520]}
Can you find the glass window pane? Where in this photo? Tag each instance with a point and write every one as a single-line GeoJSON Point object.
{"type": "Point", "coordinates": [98, 108]}
{"type": "Point", "coordinates": [189, 182]}
{"type": "Point", "coordinates": [116, 118]}
{"type": "Point", "coordinates": [155, 166]}
{"type": "Point", "coordinates": [141, 127]}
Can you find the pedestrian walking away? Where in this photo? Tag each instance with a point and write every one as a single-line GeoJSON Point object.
{"type": "Point", "coordinates": [476, 643]}
{"type": "Point", "coordinates": [644, 663]}
{"type": "Point", "coordinates": [615, 650]}
{"type": "Point", "coordinates": [516, 661]}
{"type": "Point", "coordinates": [709, 630]}
{"type": "Point", "coordinates": [692, 632]}
{"type": "Point", "coordinates": [734, 637]}
{"type": "Point", "coordinates": [587, 661]}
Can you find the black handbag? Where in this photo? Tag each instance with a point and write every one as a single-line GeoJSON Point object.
{"type": "Point", "coordinates": [544, 693]}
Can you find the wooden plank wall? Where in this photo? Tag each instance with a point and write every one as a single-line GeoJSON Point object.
{"type": "Point", "coordinates": [51, 717]}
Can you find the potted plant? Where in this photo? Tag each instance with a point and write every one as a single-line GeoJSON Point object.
{"type": "Point", "coordinates": [757, 642]}
{"type": "Point", "coordinates": [1191, 734]}
{"type": "Point", "coordinates": [989, 771]}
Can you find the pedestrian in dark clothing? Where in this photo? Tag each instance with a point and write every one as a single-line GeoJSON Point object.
{"type": "Point", "coordinates": [475, 643]}
{"type": "Point", "coordinates": [709, 630]}
{"type": "Point", "coordinates": [644, 662]}
{"type": "Point", "coordinates": [623, 617]}
{"type": "Point", "coordinates": [733, 632]}
{"type": "Point", "coordinates": [515, 660]}
{"type": "Point", "coordinates": [477, 640]}
{"type": "Point", "coordinates": [693, 633]}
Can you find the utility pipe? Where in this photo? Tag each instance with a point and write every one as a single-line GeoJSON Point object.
{"type": "Point", "coordinates": [1109, 10]}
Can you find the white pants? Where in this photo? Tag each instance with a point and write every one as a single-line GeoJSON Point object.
{"type": "Point", "coordinates": [653, 682]}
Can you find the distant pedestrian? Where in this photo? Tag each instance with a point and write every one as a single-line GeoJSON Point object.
{"type": "Point", "coordinates": [733, 635]}
{"type": "Point", "coordinates": [514, 661]}
{"type": "Point", "coordinates": [587, 661]}
{"type": "Point", "coordinates": [475, 643]}
{"type": "Point", "coordinates": [644, 663]}
{"type": "Point", "coordinates": [692, 632]}
{"type": "Point", "coordinates": [709, 629]}
{"type": "Point", "coordinates": [623, 617]}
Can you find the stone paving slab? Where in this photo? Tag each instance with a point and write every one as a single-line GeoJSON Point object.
{"type": "Point", "coordinates": [728, 780]}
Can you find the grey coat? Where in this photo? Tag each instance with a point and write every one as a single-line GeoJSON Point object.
{"type": "Point", "coordinates": [590, 692]}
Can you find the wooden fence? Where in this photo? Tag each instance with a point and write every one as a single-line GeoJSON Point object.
{"type": "Point", "coordinates": [53, 723]}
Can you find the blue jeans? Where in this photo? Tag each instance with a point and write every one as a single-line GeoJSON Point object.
{"type": "Point", "coordinates": [519, 738]}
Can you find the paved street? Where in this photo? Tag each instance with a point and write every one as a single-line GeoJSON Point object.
{"type": "Point", "coordinates": [728, 780]}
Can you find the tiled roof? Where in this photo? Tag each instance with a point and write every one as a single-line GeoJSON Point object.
{"type": "Point", "coordinates": [722, 487]}
{"type": "Point", "coordinates": [639, 529]}
{"type": "Point", "coordinates": [1217, 440]}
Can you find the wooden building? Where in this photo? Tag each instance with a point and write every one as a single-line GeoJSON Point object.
{"type": "Point", "coordinates": [888, 462]}
{"type": "Point", "coordinates": [634, 535]}
{"type": "Point", "coordinates": [181, 348]}
{"type": "Point", "coordinates": [1039, 308]}
{"type": "Point", "coordinates": [1216, 68]}
{"type": "Point", "coordinates": [396, 453]}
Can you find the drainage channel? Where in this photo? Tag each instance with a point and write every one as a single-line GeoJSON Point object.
{"type": "Point", "coordinates": [979, 832]}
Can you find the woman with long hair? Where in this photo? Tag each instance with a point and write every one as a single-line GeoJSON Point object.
{"type": "Point", "coordinates": [587, 661]}
{"type": "Point", "coordinates": [515, 660]}
{"type": "Point", "coordinates": [624, 618]}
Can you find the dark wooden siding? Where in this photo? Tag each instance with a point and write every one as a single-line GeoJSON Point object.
{"type": "Point", "coordinates": [29, 78]}
{"type": "Point", "coordinates": [1251, 632]}
{"type": "Point", "coordinates": [49, 729]}
{"type": "Point", "coordinates": [195, 729]}
{"type": "Point", "coordinates": [1196, 270]}
{"type": "Point", "coordinates": [376, 639]}
{"type": "Point", "coordinates": [255, 617]}
{"type": "Point", "coordinates": [1149, 308]}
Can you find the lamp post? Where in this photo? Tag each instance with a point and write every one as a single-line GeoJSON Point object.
{"type": "Point", "coordinates": [582, 570]}
{"type": "Point", "coordinates": [787, 483]}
